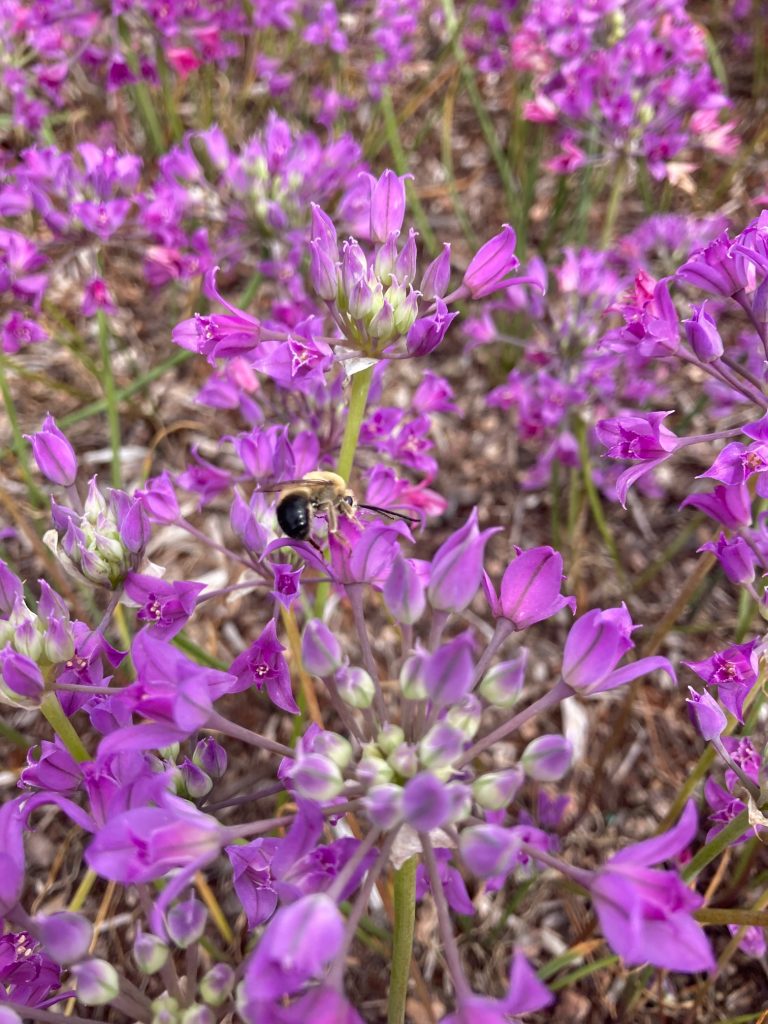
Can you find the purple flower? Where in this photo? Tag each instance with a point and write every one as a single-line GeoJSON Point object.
{"type": "Point", "coordinates": [297, 946]}
{"type": "Point", "coordinates": [11, 855]}
{"type": "Point", "coordinates": [736, 558]}
{"type": "Point", "coordinates": [387, 205]}
{"type": "Point", "coordinates": [448, 673]}
{"type": "Point", "coordinates": [165, 606]}
{"type": "Point", "coordinates": [641, 436]}
{"type": "Point", "coordinates": [718, 268]}
{"type": "Point", "coordinates": [453, 884]}
{"type": "Point", "coordinates": [27, 974]}
{"type": "Point", "coordinates": [703, 335]}
{"type": "Point", "coordinates": [595, 645]}
{"type": "Point", "coordinates": [706, 714]}
{"type": "Point", "coordinates": [733, 671]}
{"type": "Point", "coordinates": [729, 506]}
{"type": "Point", "coordinates": [526, 995]}
{"type": "Point", "coordinates": [737, 462]}
{"type": "Point", "coordinates": [647, 915]}
{"type": "Point", "coordinates": [262, 665]}
{"type": "Point", "coordinates": [530, 588]}
{"type": "Point", "coordinates": [457, 567]}
{"type": "Point", "coordinates": [426, 333]}
{"type": "Point", "coordinates": [492, 264]}
{"type": "Point", "coordinates": [54, 455]}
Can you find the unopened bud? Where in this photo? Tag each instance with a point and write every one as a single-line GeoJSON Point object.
{"type": "Point", "coordinates": [211, 757]}
{"type": "Point", "coordinates": [496, 790]}
{"type": "Point", "coordinates": [185, 922]}
{"type": "Point", "coordinates": [389, 737]}
{"type": "Point", "coordinates": [194, 780]}
{"type": "Point", "coordinates": [317, 778]}
{"type": "Point", "coordinates": [335, 747]}
{"type": "Point", "coordinates": [547, 758]}
{"type": "Point", "coordinates": [216, 984]}
{"type": "Point", "coordinates": [355, 687]}
{"type": "Point", "coordinates": [97, 982]}
{"type": "Point", "coordinates": [320, 650]}
{"type": "Point", "coordinates": [149, 952]}
{"type": "Point", "coordinates": [503, 684]}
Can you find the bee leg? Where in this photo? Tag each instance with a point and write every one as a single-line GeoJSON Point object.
{"type": "Point", "coordinates": [332, 518]}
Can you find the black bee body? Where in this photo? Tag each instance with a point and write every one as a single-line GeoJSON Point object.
{"type": "Point", "coordinates": [294, 514]}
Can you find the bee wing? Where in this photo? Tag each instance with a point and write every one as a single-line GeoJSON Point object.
{"type": "Point", "coordinates": [273, 486]}
{"type": "Point", "coordinates": [388, 513]}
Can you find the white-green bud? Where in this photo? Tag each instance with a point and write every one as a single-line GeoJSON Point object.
{"type": "Point", "coordinates": [97, 982]}
{"type": "Point", "coordinates": [496, 790]}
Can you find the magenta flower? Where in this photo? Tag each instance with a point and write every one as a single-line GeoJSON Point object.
{"type": "Point", "coordinates": [733, 671]}
{"type": "Point", "coordinates": [646, 914]}
{"type": "Point", "coordinates": [729, 506]}
{"type": "Point", "coordinates": [262, 665]}
{"type": "Point", "coordinates": [530, 588]}
{"type": "Point", "coordinates": [490, 267]}
{"type": "Point", "coordinates": [736, 558]}
{"type": "Point", "coordinates": [706, 714]}
{"type": "Point", "coordinates": [165, 606]}
{"type": "Point", "coordinates": [297, 946]}
{"type": "Point", "coordinates": [719, 268]}
{"type": "Point", "coordinates": [387, 205]}
{"type": "Point", "coordinates": [703, 335]}
{"type": "Point", "coordinates": [457, 567]}
{"type": "Point", "coordinates": [642, 436]}
{"type": "Point", "coordinates": [54, 455]}
{"type": "Point", "coordinates": [27, 974]}
{"type": "Point", "coordinates": [526, 995]}
{"type": "Point", "coordinates": [595, 645]}
{"type": "Point", "coordinates": [737, 462]}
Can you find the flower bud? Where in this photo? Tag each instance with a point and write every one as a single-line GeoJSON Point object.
{"type": "Point", "coordinates": [216, 984]}
{"type": "Point", "coordinates": [404, 761]}
{"type": "Point", "coordinates": [335, 747]}
{"type": "Point", "coordinates": [372, 769]}
{"type": "Point", "coordinates": [159, 499]}
{"type": "Point", "coordinates": [97, 982]}
{"type": "Point", "coordinates": [412, 677]}
{"type": "Point", "coordinates": [8, 1016]}
{"type": "Point", "coordinates": [197, 1014]}
{"type": "Point", "coordinates": [64, 936]}
{"type": "Point", "coordinates": [503, 684]}
{"type": "Point", "coordinates": [488, 850]}
{"type": "Point", "coordinates": [211, 757]}
{"type": "Point", "coordinates": [496, 790]}
{"type": "Point", "coordinates": [440, 747]}
{"type": "Point", "coordinates": [530, 588]}
{"type": "Point", "coordinates": [165, 1010]}
{"type": "Point", "coordinates": [317, 778]}
{"type": "Point", "coordinates": [185, 922]}
{"type": "Point", "coordinates": [355, 687]}
{"type": "Point", "coordinates": [383, 805]}
{"type": "Point", "coordinates": [404, 591]}
{"type": "Point", "coordinates": [426, 333]}
{"type": "Point", "coordinates": [405, 266]}
{"type": "Point", "coordinates": [426, 802]}
{"type": "Point", "coordinates": [387, 205]}
{"type": "Point", "coordinates": [466, 716]}
{"type": "Point", "coordinates": [491, 264]}
{"type": "Point", "coordinates": [703, 335]}
{"type": "Point", "coordinates": [58, 641]}
{"type": "Point", "coordinates": [21, 681]}
{"type": "Point", "coordinates": [405, 312]}
{"type": "Point", "coordinates": [386, 255]}
{"type": "Point", "coordinates": [149, 952]}
{"type": "Point", "coordinates": [54, 455]}
{"type": "Point", "coordinates": [11, 589]}
{"type": "Point", "coordinates": [382, 323]}
{"type": "Point", "coordinates": [354, 268]}
{"type": "Point", "coordinates": [320, 650]}
{"type": "Point", "coordinates": [390, 737]}
{"type": "Point", "coordinates": [448, 673]}
{"type": "Point", "coordinates": [194, 780]}
{"type": "Point", "coordinates": [457, 567]}
{"type": "Point", "coordinates": [434, 281]}
{"type": "Point", "coordinates": [706, 714]}
{"type": "Point", "coordinates": [547, 758]}
{"type": "Point", "coordinates": [323, 273]}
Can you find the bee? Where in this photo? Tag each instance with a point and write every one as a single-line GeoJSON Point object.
{"type": "Point", "coordinates": [320, 493]}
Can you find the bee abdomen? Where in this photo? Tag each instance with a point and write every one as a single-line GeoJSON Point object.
{"type": "Point", "coordinates": [293, 516]}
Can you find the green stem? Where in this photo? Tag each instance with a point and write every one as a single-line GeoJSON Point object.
{"type": "Point", "coordinates": [110, 396]}
{"type": "Point", "coordinates": [148, 115]}
{"type": "Point", "coordinates": [593, 497]}
{"type": "Point", "coordinates": [100, 405]}
{"type": "Point", "coordinates": [14, 736]}
{"type": "Point", "coordinates": [401, 166]}
{"type": "Point", "coordinates": [361, 384]}
{"type": "Point", "coordinates": [614, 200]}
{"type": "Point", "coordinates": [511, 189]}
{"type": "Point", "coordinates": [402, 939]}
{"type": "Point", "coordinates": [733, 830]}
{"type": "Point", "coordinates": [62, 726]}
{"type": "Point", "coordinates": [19, 445]}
